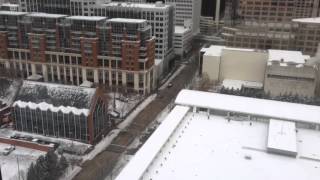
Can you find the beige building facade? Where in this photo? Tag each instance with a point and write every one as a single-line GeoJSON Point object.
{"type": "Point", "coordinates": [279, 71]}
{"type": "Point", "coordinates": [220, 63]}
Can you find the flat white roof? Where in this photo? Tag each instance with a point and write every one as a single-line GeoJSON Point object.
{"type": "Point", "coordinates": [203, 148]}
{"type": "Point", "coordinates": [308, 20]}
{"type": "Point", "coordinates": [251, 106]}
{"type": "Point", "coordinates": [35, 14]}
{"type": "Point", "coordinates": [282, 137]}
{"type": "Point", "coordinates": [215, 50]}
{"type": "Point", "coordinates": [181, 29]}
{"type": "Point", "coordinates": [12, 13]}
{"type": "Point", "coordinates": [87, 18]}
{"type": "Point", "coordinates": [238, 84]}
{"type": "Point", "coordinates": [127, 20]}
{"type": "Point", "coordinates": [286, 56]}
{"type": "Point", "coordinates": [148, 152]}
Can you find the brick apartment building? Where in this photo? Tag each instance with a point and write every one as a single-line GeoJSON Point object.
{"type": "Point", "coordinates": [76, 49]}
{"type": "Point", "coordinates": [159, 16]}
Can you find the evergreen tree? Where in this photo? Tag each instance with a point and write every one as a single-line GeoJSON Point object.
{"type": "Point", "coordinates": [63, 164]}
{"type": "Point", "coordinates": [32, 173]}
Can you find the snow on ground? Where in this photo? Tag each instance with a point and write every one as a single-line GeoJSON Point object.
{"type": "Point", "coordinates": [105, 142]}
{"type": "Point", "coordinates": [70, 173]}
{"type": "Point", "coordinates": [214, 148]}
{"type": "Point", "coordinates": [101, 145]}
{"type": "Point", "coordinates": [123, 104]}
{"type": "Point", "coordinates": [108, 139]}
{"type": "Point", "coordinates": [136, 111]}
{"type": "Point", "coordinates": [8, 90]}
{"type": "Point", "coordinates": [125, 158]}
{"type": "Point", "coordinates": [9, 163]}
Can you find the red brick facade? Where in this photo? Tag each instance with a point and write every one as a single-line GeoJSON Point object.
{"type": "Point", "coordinates": [37, 46]}
{"type": "Point", "coordinates": [3, 45]}
{"type": "Point", "coordinates": [89, 51]}
{"type": "Point", "coordinates": [151, 52]}
{"type": "Point", "coordinates": [25, 144]}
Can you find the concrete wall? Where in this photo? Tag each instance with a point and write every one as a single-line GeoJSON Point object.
{"type": "Point", "coordinates": [211, 67]}
{"type": "Point", "coordinates": [243, 65]}
{"type": "Point", "coordinates": [290, 79]}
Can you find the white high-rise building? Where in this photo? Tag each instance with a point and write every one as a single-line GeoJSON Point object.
{"type": "Point", "coordinates": [187, 10]}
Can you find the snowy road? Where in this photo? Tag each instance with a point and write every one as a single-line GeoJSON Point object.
{"type": "Point", "coordinates": [102, 165]}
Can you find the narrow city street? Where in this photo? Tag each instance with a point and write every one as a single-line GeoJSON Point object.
{"type": "Point", "coordinates": [103, 164]}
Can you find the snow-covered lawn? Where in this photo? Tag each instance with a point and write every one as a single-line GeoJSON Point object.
{"type": "Point", "coordinates": [22, 156]}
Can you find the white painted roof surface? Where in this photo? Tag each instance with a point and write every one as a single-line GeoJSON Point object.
{"type": "Point", "coordinates": [251, 106]}
{"type": "Point", "coordinates": [148, 152]}
{"type": "Point", "coordinates": [286, 56]}
{"type": "Point", "coordinates": [308, 20]}
{"type": "Point", "coordinates": [127, 20]}
{"type": "Point", "coordinates": [87, 18]}
{"type": "Point", "coordinates": [237, 84]}
{"type": "Point", "coordinates": [46, 15]}
{"type": "Point", "coordinates": [212, 149]}
{"type": "Point", "coordinates": [282, 137]}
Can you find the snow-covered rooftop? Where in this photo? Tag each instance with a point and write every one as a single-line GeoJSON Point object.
{"type": "Point", "coordinates": [49, 95]}
{"type": "Point", "coordinates": [141, 161]}
{"type": "Point", "coordinates": [8, 90]}
{"type": "Point", "coordinates": [216, 50]}
{"type": "Point", "coordinates": [135, 5]}
{"type": "Point", "coordinates": [213, 50]}
{"type": "Point", "coordinates": [87, 18]}
{"type": "Point", "coordinates": [46, 15]}
{"type": "Point", "coordinates": [308, 20]}
{"type": "Point", "coordinates": [127, 20]}
{"type": "Point", "coordinates": [9, 5]}
{"type": "Point", "coordinates": [250, 106]}
{"type": "Point", "coordinates": [282, 137]}
{"type": "Point", "coordinates": [206, 147]}
{"type": "Point", "coordinates": [12, 13]}
{"type": "Point", "coordinates": [238, 84]}
{"type": "Point", "coordinates": [43, 106]}
{"type": "Point", "coordinates": [181, 29]}
{"type": "Point", "coordinates": [283, 56]}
